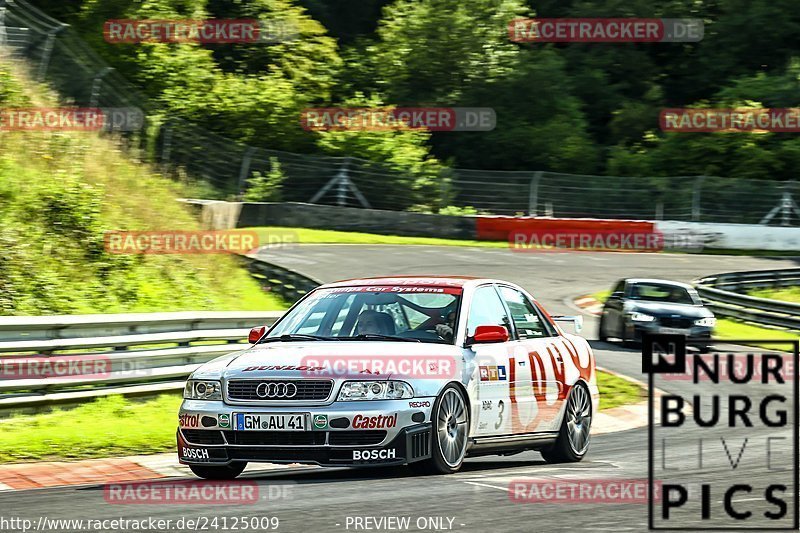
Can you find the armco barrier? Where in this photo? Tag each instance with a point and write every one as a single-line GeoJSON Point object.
{"type": "Point", "coordinates": [288, 284]}
{"type": "Point", "coordinates": [723, 295]}
{"type": "Point", "coordinates": [140, 353]}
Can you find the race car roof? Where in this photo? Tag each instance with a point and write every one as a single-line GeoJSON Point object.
{"type": "Point", "coordinates": [660, 282]}
{"type": "Point", "coordinates": [425, 281]}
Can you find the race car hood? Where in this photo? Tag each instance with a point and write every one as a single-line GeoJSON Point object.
{"type": "Point", "coordinates": [364, 359]}
{"type": "Point", "coordinates": [665, 308]}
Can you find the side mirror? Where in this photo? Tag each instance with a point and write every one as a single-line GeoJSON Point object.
{"type": "Point", "coordinates": [489, 334]}
{"type": "Point", "coordinates": [616, 295]}
{"type": "Point", "coordinates": [256, 333]}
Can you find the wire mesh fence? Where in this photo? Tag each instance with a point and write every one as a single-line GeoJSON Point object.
{"type": "Point", "coordinates": [56, 54]}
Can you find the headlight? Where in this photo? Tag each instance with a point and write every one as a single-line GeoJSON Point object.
{"type": "Point", "coordinates": [708, 322]}
{"type": "Point", "coordinates": [641, 317]}
{"type": "Point", "coordinates": [375, 390]}
{"type": "Point", "coordinates": [202, 390]}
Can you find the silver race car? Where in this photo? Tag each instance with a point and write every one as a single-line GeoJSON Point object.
{"type": "Point", "coordinates": [387, 371]}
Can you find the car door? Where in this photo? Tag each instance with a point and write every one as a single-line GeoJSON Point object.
{"type": "Point", "coordinates": [491, 363]}
{"type": "Point", "coordinates": [536, 366]}
{"type": "Point", "coordinates": [612, 310]}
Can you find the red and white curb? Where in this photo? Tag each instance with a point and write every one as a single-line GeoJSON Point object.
{"type": "Point", "coordinates": [589, 304]}
{"type": "Point", "coordinates": [49, 474]}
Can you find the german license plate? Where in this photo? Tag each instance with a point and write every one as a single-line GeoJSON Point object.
{"type": "Point", "coordinates": [270, 422]}
{"type": "Point", "coordinates": [673, 331]}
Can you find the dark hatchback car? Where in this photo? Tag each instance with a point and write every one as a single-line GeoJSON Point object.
{"type": "Point", "coordinates": [636, 306]}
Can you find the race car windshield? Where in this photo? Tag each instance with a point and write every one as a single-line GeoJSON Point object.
{"type": "Point", "coordinates": [655, 292]}
{"type": "Point", "coordinates": [384, 313]}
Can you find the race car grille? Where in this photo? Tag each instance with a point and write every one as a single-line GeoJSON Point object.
{"type": "Point", "coordinates": [203, 436]}
{"type": "Point", "coordinates": [356, 438]}
{"type": "Point", "coordinates": [680, 322]}
{"type": "Point", "coordinates": [279, 389]}
{"type": "Point", "coordinates": [276, 438]}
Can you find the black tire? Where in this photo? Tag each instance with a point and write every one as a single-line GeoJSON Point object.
{"type": "Point", "coordinates": [564, 449]}
{"type": "Point", "coordinates": [601, 330]}
{"type": "Point", "coordinates": [451, 425]}
{"type": "Point", "coordinates": [230, 471]}
{"type": "Point", "coordinates": [627, 343]}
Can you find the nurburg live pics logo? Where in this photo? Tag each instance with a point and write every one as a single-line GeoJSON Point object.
{"type": "Point", "coordinates": [722, 443]}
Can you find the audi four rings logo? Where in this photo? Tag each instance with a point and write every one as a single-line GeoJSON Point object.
{"type": "Point", "coordinates": [275, 389]}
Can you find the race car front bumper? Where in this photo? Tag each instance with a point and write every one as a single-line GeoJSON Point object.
{"type": "Point", "coordinates": [356, 433]}
{"type": "Point", "coordinates": [410, 445]}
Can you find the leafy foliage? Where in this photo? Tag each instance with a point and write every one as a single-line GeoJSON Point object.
{"type": "Point", "coordinates": [581, 108]}
{"type": "Point", "coordinates": [266, 188]}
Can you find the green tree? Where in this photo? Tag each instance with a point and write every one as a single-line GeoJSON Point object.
{"type": "Point", "coordinates": [267, 187]}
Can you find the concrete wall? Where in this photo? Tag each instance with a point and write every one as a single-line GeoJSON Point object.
{"type": "Point", "coordinates": [226, 215]}
{"type": "Point", "coordinates": [223, 215]}
{"type": "Point", "coordinates": [736, 236]}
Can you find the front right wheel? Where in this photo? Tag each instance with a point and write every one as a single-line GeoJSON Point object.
{"type": "Point", "coordinates": [450, 424]}
{"type": "Point", "coordinates": [601, 330]}
{"type": "Point", "coordinates": [573, 437]}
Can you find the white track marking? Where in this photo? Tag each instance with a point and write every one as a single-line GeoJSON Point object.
{"type": "Point", "coordinates": [504, 489]}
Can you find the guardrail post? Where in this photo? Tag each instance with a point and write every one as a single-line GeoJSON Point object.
{"type": "Point", "coordinates": [166, 143]}
{"type": "Point", "coordinates": [96, 84]}
{"type": "Point", "coordinates": [244, 169]}
{"type": "Point", "coordinates": [533, 193]}
{"type": "Point", "coordinates": [48, 51]}
{"type": "Point", "coordinates": [697, 190]}
{"type": "Point", "coordinates": [3, 35]}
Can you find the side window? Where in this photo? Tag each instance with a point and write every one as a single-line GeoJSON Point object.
{"type": "Point", "coordinates": [525, 315]}
{"type": "Point", "coordinates": [486, 309]}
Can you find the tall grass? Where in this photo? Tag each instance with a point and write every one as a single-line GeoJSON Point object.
{"type": "Point", "coordinates": [60, 192]}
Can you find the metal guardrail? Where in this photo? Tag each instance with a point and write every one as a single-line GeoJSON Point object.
{"type": "Point", "coordinates": [723, 294]}
{"type": "Point", "coordinates": [288, 284]}
{"type": "Point", "coordinates": [140, 353]}
{"type": "Point", "coordinates": [115, 354]}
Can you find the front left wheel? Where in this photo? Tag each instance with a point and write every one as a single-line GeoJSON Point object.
{"type": "Point", "coordinates": [230, 471]}
{"type": "Point", "coordinates": [573, 437]}
{"type": "Point", "coordinates": [450, 427]}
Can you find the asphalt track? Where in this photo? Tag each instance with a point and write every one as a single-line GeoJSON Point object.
{"type": "Point", "coordinates": [476, 499]}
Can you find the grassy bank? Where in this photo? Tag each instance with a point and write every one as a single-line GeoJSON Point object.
{"type": "Point", "coordinates": [116, 426]}
{"type": "Point", "coordinates": [785, 294]}
{"type": "Point", "coordinates": [60, 192]}
{"type": "Point", "coordinates": [616, 391]}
